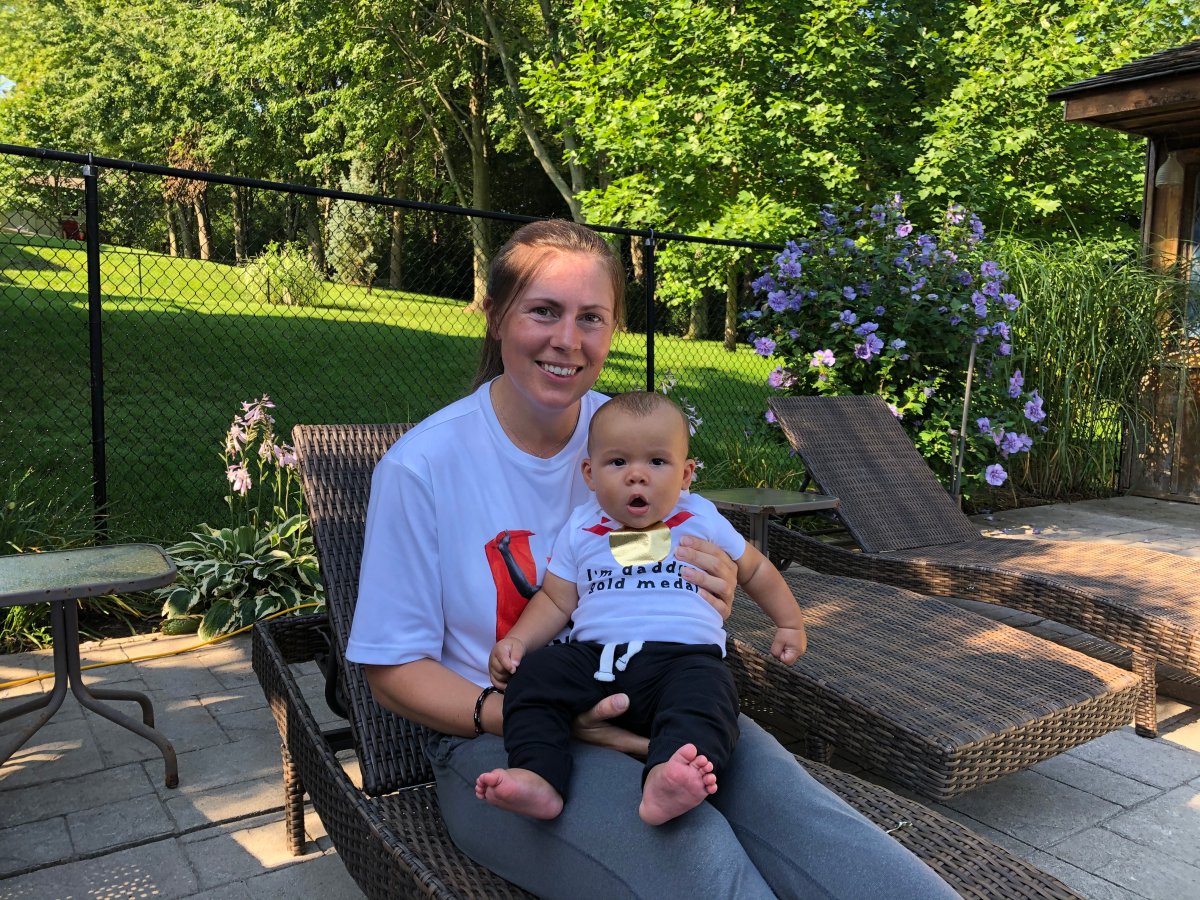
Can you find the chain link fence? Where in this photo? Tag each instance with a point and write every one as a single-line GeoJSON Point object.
{"type": "Point", "coordinates": [141, 305]}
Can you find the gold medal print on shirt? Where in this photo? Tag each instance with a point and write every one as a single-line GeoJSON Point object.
{"type": "Point", "coordinates": [640, 548]}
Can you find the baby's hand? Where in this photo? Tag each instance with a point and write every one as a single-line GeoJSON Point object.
{"type": "Point", "coordinates": [789, 644]}
{"type": "Point", "coordinates": [505, 658]}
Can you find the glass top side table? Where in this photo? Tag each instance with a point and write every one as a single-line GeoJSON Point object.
{"type": "Point", "coordinates": [61, 578]}
{"type": "Point", "coordinates": [762, 503]}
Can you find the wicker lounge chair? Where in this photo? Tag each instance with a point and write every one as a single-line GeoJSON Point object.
{"type": "Point", "coordinates": [388, 831]}
{"type": "Point", "coordinates": [912, 534]}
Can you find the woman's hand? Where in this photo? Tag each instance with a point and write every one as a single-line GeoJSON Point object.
{"type": "Point", "coordinates": [712, 570]}
{"type": "Point", "coordinates": [594, 727]}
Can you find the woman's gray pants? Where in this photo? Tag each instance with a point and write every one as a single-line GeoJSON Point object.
{"type": "Point", "coordinates": [770, 830]}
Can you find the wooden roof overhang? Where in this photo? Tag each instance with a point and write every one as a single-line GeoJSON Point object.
{"type": "Point", "coordinates": [1157, 97]}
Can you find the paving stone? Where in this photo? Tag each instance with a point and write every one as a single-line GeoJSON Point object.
{"type": "Point", "coordinates": [1163, 765]}
{"type": "Point", "coordinates": [212, 767]}
{"type": "Point", "coordinates": [227, 802]}
{"type": "Point", "coordinates": [1033, 808]}
{"type": "Point", "coordinates": [1136, 867]}
{"type": "Point", "coordinates": [322, 876]}
{"type": "Point", "coordinates": [120, 823]}
{"type": "Point", "coordinates": [159, 870]}
{"type": "Point", "coordinates": [1170, 824]}
{"type": "Point", "coordinates": [61, 749]}
{"type": "Point", "coordinates": [247, 723]}
{"type": "Point", "coordinates": [34, 844]}
{"type": "Point", "coordinates": [182, 676]}
{"type": "Point", "coordinates": [238, 890]}
{"type": "Point", "coordinates": [1083, 883]}
{"type": "Point", "coordinates": [233, 700]}
{"type": "Point", "coordinates": [1096, 780]}
{"type": "Point", "coordinates": [239, 855]}
{"type": "Point", "coordinates": [21, 665]}
{"type": "Point", "coordinates": [98, 789]}
{"type": "Point", "coordinates": [1186, 737]}
{"type": "Point", "coordinates": [68, 711]}
{"type": "Point", "coordinates": [123, 678]}
{"type": "Point", "coordinates": [184, 722]}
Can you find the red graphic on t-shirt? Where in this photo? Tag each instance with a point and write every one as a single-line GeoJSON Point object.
{"type": "Point", "coordinates": [602, 528]}
{"type": "Point", "coordinates": [510, 602]}
{"type": "Point", "coordinates": [678, 519]}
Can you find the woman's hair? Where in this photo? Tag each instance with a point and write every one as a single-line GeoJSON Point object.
{"type": "Point", "coordinates": [513, 267]}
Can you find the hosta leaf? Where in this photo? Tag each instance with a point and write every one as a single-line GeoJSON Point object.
{"type": "Point", "coordinates": [216, 620]}
{"type": "Point", "coordinates": [245, 613]}
{"type": "Point", "coordinates": [246, 538]}
{"type": "Point", "coordinates": [178, 602]}
{"type": "Point", "coordinates": [267, 604]}
{"type": "Point", "coordinates": [290, 595]}
{"type": "Point", "coordinates": [185, 547]}
{"type": "Point", "coordinates": [266, 570]}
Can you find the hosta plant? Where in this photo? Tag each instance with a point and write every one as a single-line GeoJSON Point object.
{"type": "Point", "coordinates": [264, 562]}
{"type": "Point", "coordinates": [232, 577]}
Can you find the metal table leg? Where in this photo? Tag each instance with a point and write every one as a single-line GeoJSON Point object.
{"type": "Point", "coordinates": [90, 699]}
{"type": "Point", "coordinates": [51, 701]}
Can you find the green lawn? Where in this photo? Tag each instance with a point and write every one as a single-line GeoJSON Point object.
{"type": "Point", "coordinates": [186, 341]}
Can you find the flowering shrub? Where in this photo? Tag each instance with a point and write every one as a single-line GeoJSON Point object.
{"type": "Point", "coordinates": [265, 562]}
{"type": "Point", "coordinates": [868, 305]}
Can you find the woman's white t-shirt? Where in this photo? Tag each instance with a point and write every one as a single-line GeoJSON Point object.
{"type": "Point", "coordinates": [434, 584]}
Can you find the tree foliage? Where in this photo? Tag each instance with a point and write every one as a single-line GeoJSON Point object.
{"type": "Point", "coordinates": [724, 119]}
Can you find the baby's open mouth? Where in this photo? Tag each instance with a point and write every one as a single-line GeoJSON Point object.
{"type": "Point", "coordinates": [638, 502]}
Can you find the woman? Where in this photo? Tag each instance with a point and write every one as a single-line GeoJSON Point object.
{"type": "Point", "coordinates": [462, 513]}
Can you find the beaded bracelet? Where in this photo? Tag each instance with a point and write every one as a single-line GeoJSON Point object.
{"type": "Point", "coordinates": [483, 695]}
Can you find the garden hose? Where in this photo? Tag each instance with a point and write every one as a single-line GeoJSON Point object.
{"type": "Point", "coordinates": [118, 662]}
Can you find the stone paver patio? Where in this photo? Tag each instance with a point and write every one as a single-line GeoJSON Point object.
{"type": "Point", "coordinates": [83, 811]}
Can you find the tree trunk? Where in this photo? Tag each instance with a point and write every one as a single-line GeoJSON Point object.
{"type": "Point", "coordinates": [172, 240]}
{"type": "Point", "coordinates": [241, 200]}
{"type": "Point", "coordinates": [698, 320]}
{"type": "Point", "coordinates": [184, 223]}
{"type": "Point", "coordinates": [481, 184]}
{"type": "Point", "coordinates": [732, 289]}
{"type": "Point", "coordinates": [203, 230]}
{"type": "Point", "coordinates": [316, 242]}
{"type": "Point", "coordinates": [396, 251]}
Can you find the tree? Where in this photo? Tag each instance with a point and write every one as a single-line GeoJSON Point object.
{"type": "Point", "coordinates": [354, 229]}
{"type": "Point", "coordinates": [995, 143]}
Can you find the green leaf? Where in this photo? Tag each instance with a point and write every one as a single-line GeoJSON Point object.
{"type": "Point", "coordinates": [178, 602]}
{"type": "Point", "coordinates": [216, 620]}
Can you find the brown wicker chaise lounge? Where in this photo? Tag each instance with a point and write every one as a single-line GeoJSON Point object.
{"type": "Point", "coordinates": [389, 832]}
{"type": "Point", "coordinates": [912, 534]}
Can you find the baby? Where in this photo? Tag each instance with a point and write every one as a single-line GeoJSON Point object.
{"type": "Point", "coordinates": [637, 626]}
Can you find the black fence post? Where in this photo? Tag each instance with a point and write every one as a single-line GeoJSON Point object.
{"type": "Point", "coordinates": [95, 349]}
{"type": "Point", "coordinates": [650, 287]}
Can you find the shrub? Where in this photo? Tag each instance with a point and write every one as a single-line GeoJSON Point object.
{"type": "Point", "coordinates": [868, 305]}
{"type": "Point", "coordinates": [265, 561]}
{"type": "Point", "coordinates": [284, 273]}
{"type": "Point", "coordinates": [354, 229]}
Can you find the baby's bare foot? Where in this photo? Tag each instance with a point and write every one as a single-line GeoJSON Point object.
{"type": "Point", "coordinates": [674, 787]}
{"type": "Point", "coordinates": [520, 791]}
